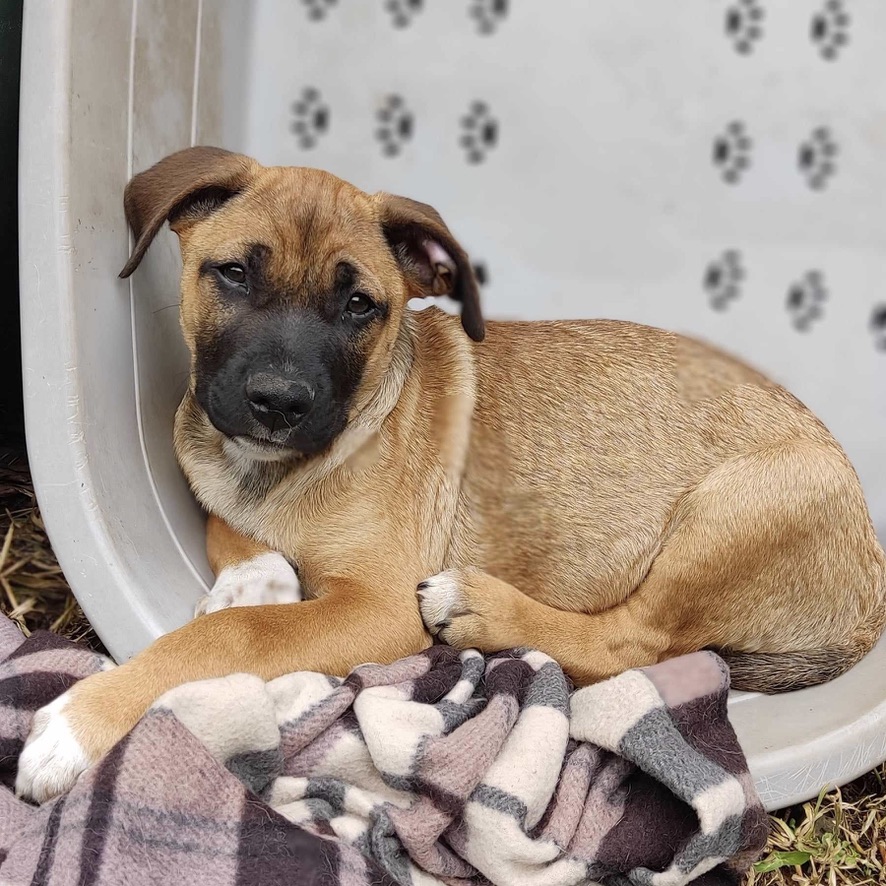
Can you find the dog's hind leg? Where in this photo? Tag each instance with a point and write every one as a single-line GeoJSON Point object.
{"type": "Point", "coordinates": [771, 558]}
{"type": "Point", "coordinates": [247, 573]}
{"type": "Point", "coordinates": [470, 609]}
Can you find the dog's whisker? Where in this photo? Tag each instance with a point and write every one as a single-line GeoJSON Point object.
{"type": "Point", "coordinates": [167, 307]}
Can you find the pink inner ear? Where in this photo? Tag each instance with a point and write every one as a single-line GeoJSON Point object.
{"type": "Point", "coordinates": [437, 255]}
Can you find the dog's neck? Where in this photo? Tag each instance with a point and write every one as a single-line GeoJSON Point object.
{"type": "Point", "coordinates": [231, 482]}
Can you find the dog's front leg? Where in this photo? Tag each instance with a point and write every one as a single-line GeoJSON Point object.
{"type": "Point", "coordinates": [247, 573]}
{"type": "Point", "coordinates": [351, 623]}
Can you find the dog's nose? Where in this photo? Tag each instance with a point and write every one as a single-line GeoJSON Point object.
{"type": "Point", "coordinates": [277, 401]}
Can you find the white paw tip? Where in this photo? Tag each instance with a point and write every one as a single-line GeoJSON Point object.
{"type": "Point", "coordinates": [52, 758]}
{"type": "Point", "coordinates": [264, 580]}
{"type": "Point", "coordinates": [438, 598]}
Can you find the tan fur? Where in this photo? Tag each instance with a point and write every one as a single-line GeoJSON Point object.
{"type": "Point", "coordinates": [226, 547]}
{"type": "Point", "coordinates": [609, 493]}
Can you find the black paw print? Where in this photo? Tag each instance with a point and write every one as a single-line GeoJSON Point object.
{"type": "Point", "coordinates": [481, 272]}
{"type": "Point", "coordinates": [395, 123]}
{"type": "Point", "coordinates": [311, 115]}
{"type": "Point", "coordinates": [878, 327]}
{"type": "Point", "coordinates": [723, 279]}
{"type": "Point", "coordinates": [488, 14]}
{"type": "Point", "coordinates": [317, 9]}
{"type": "Point", "coordinates": [732, 152]}
{"type": "Point", "coordinates": [744, 25]}
{"type": "Point", "coordinates": [829, 29]}
{"type": "Point", "coordinates": [479, 132]}
{"type": "Point", "coordinates": [806, 299]}
{"type": "Point", "coordinates": [402, 12]}
{"type": "Point", "coordinates": [816, 158]}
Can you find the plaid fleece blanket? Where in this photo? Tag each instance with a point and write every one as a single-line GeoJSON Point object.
{"type": "Point", "coordinates": [442, 768]}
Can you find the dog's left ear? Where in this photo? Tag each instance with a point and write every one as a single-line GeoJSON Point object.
{"type": "Point", "coordinates": [431, 258]}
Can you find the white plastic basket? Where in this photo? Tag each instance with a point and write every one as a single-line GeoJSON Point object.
{"type": "Point", "coordinates": [702, 166]}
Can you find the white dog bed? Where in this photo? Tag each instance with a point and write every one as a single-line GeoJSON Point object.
{"type": "Point", "coordinates": [712, 167]}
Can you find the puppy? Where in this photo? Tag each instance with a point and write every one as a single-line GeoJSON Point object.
{"type": "Point", "coordinates": [606, 492]}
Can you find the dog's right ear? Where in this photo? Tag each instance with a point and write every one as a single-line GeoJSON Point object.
{"type": "Point", "coordinates": [182, 188]}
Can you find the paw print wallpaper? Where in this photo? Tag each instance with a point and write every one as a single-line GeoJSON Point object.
{"type": "Point", "coordinates": [744, 25]}
{"type": "Point", "coordinates": [402, 12]}
{"type": "Point", "coordinates": [317, 9]}
{"type": "Point", "coordinates": [806, 300]}
{"type": "Point", "coordinates": [479, 132]}
{"type": "Point", "coordinates": [716, 167]}
{"type": "Point", "coordinates": [817, 158]}
{"type": "Point", "coordinates": [723, 279]}
{"type": "Point", "coordinates": [830, 28]}
{"type": "Point", "coordinates": [487, 14]}
{"type": "Point", "coordinates": [310, 117]}
{"type": "Point", "coordinates": [732, 152]}
{"type": "Point", "coordinates": [395, 122]}
{"type": "Point", "coordinates": [878, 326]}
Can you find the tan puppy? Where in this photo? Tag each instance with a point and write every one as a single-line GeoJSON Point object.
{"type": "Point", "coordinates": [606, 492]}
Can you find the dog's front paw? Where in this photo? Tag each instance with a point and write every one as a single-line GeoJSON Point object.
{"type": "Point", "coordinates": [469, 609]}
{"type": "Point", "coordinates": [72, 733]}
{"type": "Point", "coordinates": [52, 757]}
{"type": "Point", "coordinates": [265, 579]}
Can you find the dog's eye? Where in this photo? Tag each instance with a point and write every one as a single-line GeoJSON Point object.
{"type": "Point", "coordinates": [360, 304]}
{"type": "Point", "coordinates": [235, 274]}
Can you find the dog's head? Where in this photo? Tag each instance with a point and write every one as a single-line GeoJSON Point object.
{"type": "Point", "coordinates": [294, 288]}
